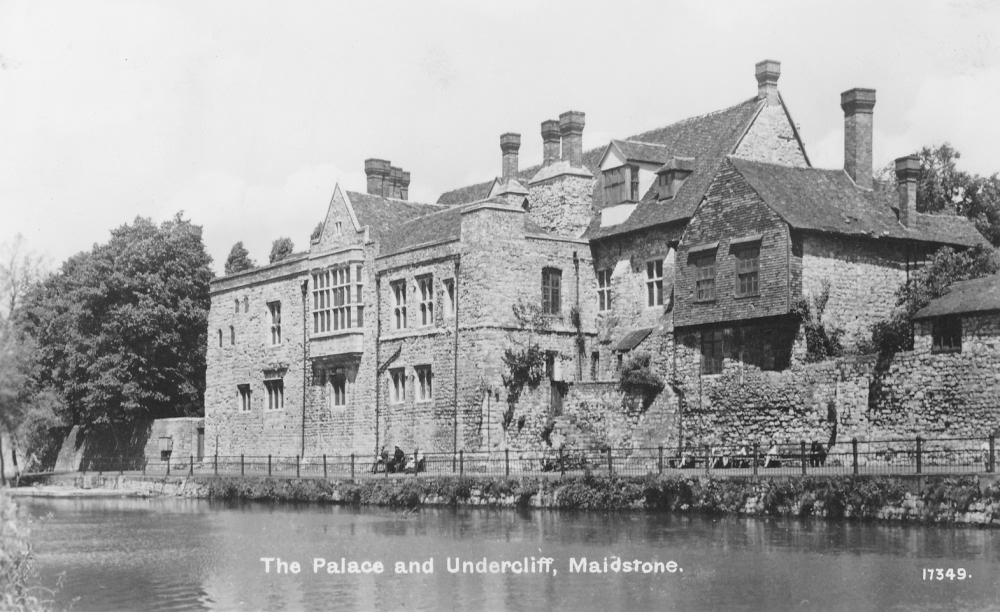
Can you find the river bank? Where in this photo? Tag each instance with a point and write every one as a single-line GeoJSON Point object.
{"type": "Point", "coordinates": [965, 500]}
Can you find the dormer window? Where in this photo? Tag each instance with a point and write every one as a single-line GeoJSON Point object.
{"type": "Point", "coordinates": [621, 185]}
{"type": "Point", "coordinates": [672, 175]}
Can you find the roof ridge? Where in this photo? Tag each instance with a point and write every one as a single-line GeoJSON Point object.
{"type": "Point", "coordinates": [387, 199]}
{"type": "Point", "coordinates": [697, 117]}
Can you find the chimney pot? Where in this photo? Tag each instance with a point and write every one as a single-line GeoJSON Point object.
{"type": "Point", "coordinates": [377, 171]}
{"type": "Point", "coordinates": [767, 73]}
{"type": "Point", "coordinates": [509, 145]}
{"type": "Point", "coordinates": [571, 129]}
{"type": "Point", "coordinates": [550, 142]}
{"type": "Point", "coordinates": [907, 173]}
{"type": "Point", "coordinates": [858, 105]}
{"type": "Point", "coordinates": [394, 184]}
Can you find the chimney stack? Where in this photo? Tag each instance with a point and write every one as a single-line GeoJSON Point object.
{"type": "Point", "coordinates": [509, 144]}
{"type": "Point", "coordinates": [858, 104]}
{"type": "Point", "coordinates": [571, 129]}
{"type": "Point", "coordinates": [395, 182]}
{"type": "Point", "coordinates": [550, 142]}
{"type": "Point", "coordinates": [404, 186]}
{"type": "Point", "coordinates": [767, 73]}
{"type": "Point", "coordinates": [907, 173]}
{"type": "Point", "coordinates": [377, 171]}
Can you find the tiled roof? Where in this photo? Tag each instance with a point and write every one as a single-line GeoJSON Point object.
{"type": "Point", "coordinates": [829, 201]}
{"type": "Point", "coordinates": [385, 214]}
{"type": "Point", "coordinates": [708, 138]}
{"type": "Point", "coordinates": [979, 295]}
{"type": "Point", "coordinates": [643, 151]}
{"type": "Point", "coordinates": [440, 225]}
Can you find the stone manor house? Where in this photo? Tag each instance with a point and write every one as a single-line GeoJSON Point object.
{"type": "Point", "coordinates": [690, 243]}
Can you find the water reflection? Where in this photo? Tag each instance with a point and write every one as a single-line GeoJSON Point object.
{"type": "Point", "coordinates": [195, 555]}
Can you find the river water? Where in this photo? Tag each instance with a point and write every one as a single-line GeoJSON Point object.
{"type": "Point", "coordinates": [172, 554]}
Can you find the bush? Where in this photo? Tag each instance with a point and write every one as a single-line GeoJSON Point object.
{"type": "Point", "coordinates": [16, 568]}
{"type": "Point", "coordinates": [637, 377]}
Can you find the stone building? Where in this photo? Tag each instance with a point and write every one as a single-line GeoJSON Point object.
{"type": "Point", "coordinates": [692, 243]}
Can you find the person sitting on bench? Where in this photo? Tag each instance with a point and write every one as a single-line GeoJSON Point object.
{"type": "Point", "coordinates": [771, 459]}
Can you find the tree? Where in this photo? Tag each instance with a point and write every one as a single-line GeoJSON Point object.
{"type": "Point", "coordinates": [281, 249]}
{"type": "Point", "coordinates": [19, 270]}
{"type": "Point", "coordinates": [121, 330]}
{"type": "Point", "coordinates": [239, 260]}
{"type": "Point", "coordinates": [944, 189]}
{"type": "Point", "coordinates": [317, 232]}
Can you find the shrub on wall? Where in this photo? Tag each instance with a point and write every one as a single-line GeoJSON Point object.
{"type": "Point", "coordinates": [525, 364]}
{"type": "Point", "coordinates": [638, 378]}
{"type": "Point", "coordinates": [16, 569]}
{"type": "Point", "coordinates": [822, 343]}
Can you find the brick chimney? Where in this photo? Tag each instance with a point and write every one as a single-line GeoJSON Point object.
{"type": "Point", "coordinates": [509, 144]}
{"type": "Point", "coordinates": [767, 73]}
{"type": "Point", "coordinates": [907, 173]}
{"type": "Point", "coordinates": [377, 171]}
{"type": "Point", "coordinates": [404, 186]}
{"type": "Point", "coordinates": [550, 142]}
{"type": "Point", "coordinates": [858, 104]}
{"type": "Point", "coordinates": [571, 129]}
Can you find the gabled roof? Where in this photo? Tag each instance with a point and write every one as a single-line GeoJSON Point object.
{"type": "Point", "coordinates": [978, 295]}
{"type": "Point", "coordinates": [444, 224]}
{"type": "Point", "coordinates": [383, 215]}
{"type": "Point", "coordinates": [633, 150]}
{"type": "Point", "coordinates": [708, 138]}
{"type": "Point", "coordinates": [829, 201]}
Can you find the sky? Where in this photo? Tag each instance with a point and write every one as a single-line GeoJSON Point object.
{"type": "Point", "coordinates": [245, 115]}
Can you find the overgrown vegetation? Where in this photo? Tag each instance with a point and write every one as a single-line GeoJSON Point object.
{"type": "Point", "coordinates": [638, 379]}
{"type": "Point", "coordinates": [945, 267]}
{"type": "Point", "coordinates": [16, 567]}
{"type": "Point", "coordinates": [525, 361]}
{"type": "Point", "coordinates": [822, 343]}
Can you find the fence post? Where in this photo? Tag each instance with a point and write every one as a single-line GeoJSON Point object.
{"type": "Point", "coordinates": [756, 453]}
{"type": "Point", "coordinates": [121, 470]}
{"type": "Point", "coordinates": [506, 461]}
{"type": "Point", "coordinates": [854, 453]}
{"type": "Point", "coordinates": [242, 472]}
{"type": "Point", "coordinates": [191, 465]}
{"type": "Point", "coordinates": [416, 465]}
{"type": "Point", "coordinates": [708, 457]}
{"type": "Point", "coordinates": [461, 462]}
{"type": "Point", "coordinates": [216, 468]}
{"type": "Point", "coordinates": [352, 466]}
{"type": "Point", "coordinates": [919, 453]}
{"type": "Point", "coordinates": [659, 461]}
{"type": "Point", "coordinates": [562, 464]}
{"type": "Point", "coordinates": [297, 466]}
{"type": "Point", "coordinates": [269, 466]}
{"type": "Point", "coordinates": [803, 451]}
{"type": "Point", "coordinates": [454, 465]}
{"type": "Point", "coordinates": [993, 465]}
{"type": "Point", "coordinates": [168, 465]}
{"type": "Point", "coordinates": [144, 461]}
{"type": "Point", "coordinates": [324, 466]}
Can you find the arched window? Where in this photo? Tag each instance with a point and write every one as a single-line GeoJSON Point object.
{"type": "Point", "coordinates": [232, 335]}
{"type": "Point", "coordinates": [220, 338]}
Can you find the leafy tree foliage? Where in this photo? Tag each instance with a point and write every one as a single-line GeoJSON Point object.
{"type": "Point", "coordinates": [638, 378]}
{"type": "Point", "coordinates": [317, 232]}
{"type": "Point", "coordinates": [821, 342]}
{"type": "Point", "coordinates": [239, 260]}
{"type": "Point", "coordinates": [943, 188]}
{"type": "Point", "coordinates": [932, 281]}
{"type": "Point", "coordinates": [281, 249]}
{"type": "Point", "coordinates": [121, 330]}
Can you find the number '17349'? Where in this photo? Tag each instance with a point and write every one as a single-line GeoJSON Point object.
{"type": "Point", "coordinates": [939, 573]}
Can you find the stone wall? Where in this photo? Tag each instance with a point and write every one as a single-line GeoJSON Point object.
{"type": "Point", "coordinates": [863, 275]}
{"type": "Point", "coordinates": [183, 434]}
{"type": "Point", "coordinates": [562, 204]}
{"type": "Point", "coordinates": [771, 139]}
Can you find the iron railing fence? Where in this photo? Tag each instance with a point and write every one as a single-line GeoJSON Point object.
{"type": "Point", "coordinates": [873, 457]}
